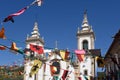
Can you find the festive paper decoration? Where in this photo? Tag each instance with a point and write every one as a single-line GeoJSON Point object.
{"type": "Point", "coordinates": [2, 33]}
{"type": "Point", "coordinates": [21, 11]}
{"type": "Point", "coordinates": [79, 78]}
{"type": "Point", "coordinates": [100, 62]}
{"type": "Point", "coordinates": [85, 77]}
{"type": "Point", "coordinates": [64, 74]}
{"type": "Point", "coordinates": [10, 17]}
{"type": "Point", "coordinates": [36, 48]}
{"type": "Point", "coordinates": [64, 54]}
{"type": "Point", "coordinates": [37, 65]}
{"type": "Point", "coordinates": [2, 47]}
{"type": "Point", "coordinates": [56, 78]}
{"type": "Point", "coordinates": [53, 69]}
{"type": "Point", "coordinates": [15, 48]}
{"type": "Point", "coordinates": [80, 51]}
{"type": "Point", "coordinates": [39, 2]}
{"type": "Point", "coordinates": [80, 54]}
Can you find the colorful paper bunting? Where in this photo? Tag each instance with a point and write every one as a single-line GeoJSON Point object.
{"type": "Point", "coordinates": [39, 2]}
{"type": "Point", "coordinates": [64, 54]}
{"type": "Point", "coordinates": [36, 48]}
{"type": "Point", "coordinates": [53, 69]}
{"type": "Point", "coordinates": [85, 78]}
{"type": "Point", "coordinates": [100, 62]}
{"type": "Point", "coordinates": [56, 78]}
{"type": "Point", "coordinates": [2, 33]}
{"type": "Point", "coordinates": [37, 65]}
{"type": "Point", "coordinates": [80, 54]}
{"type": "Point", "coordinates": [2, 47]}
{"type": "Point", "coordinates": [15, 48]}
{"type": "Point", "coordinates": [80, 51]}
{"type": "Point", "coordinates": [64, 74]}
{"type": "Point", "coordinates": [79, 78]}
{"type": "Point", "coordinates": [10, 17]}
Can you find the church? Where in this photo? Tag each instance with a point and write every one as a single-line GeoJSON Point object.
{"type": "Point", "coordinates": [55, 64]}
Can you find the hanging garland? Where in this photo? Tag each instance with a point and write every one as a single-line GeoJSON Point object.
{"type": "Point", "coordinates": [34, 48]}
{"type": "Point", "coordinates": [21, 11]}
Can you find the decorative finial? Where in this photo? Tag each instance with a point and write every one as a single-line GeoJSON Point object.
{"type": "Point", "coordinates": [35, 32]}
{"type": "Point", "coordinates": [85, 25]}
{"type": "Point", "coordinates": [85, 12]}
{"type": "Point", "coordinates": [27, 36]}
{"type": "Point", "coordinates": [78, 31]}
{"type": "Point", "coordinates": [85, 15]}
{"type": "Point", "coordinates": [56, 44]}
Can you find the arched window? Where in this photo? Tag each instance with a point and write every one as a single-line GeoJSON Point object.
{"type": "Point", "coordinates": [85, 44]}
{"type": "Point", "coordinates": [85, 72]}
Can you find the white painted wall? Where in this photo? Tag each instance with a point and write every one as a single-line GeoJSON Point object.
{"type": "Point", "coordinates": [87, 66]}
{"type": "Point", "coordinates": [41, 75]}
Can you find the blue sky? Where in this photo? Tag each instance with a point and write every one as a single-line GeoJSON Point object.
{"type": "Point", "coordinates": [59, 20]}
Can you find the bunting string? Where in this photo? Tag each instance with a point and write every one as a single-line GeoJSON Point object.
{"type": "Point", "coordinates": [68, 75]}
{"type": "Point", "coordinates": [21, 11]}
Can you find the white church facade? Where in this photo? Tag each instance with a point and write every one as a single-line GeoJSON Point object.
{"type": "Point", "coordinates": [56, 64]}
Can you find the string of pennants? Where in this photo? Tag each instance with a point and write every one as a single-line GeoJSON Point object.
{"type": "Point", "coordinates": [21, 11]}
{"type": "Point", "coordinates": [80, 54]}
{"type": "Point", "coordinates": [10, 18]}
{"type": "Point", "coordinates": [35, 48]}
{"type": "Point", "coordinates": [65, 54]}
{"type": "Point", "coordinates": [40, 49]}
{"type": "Point", "coordinates": [30, 53]}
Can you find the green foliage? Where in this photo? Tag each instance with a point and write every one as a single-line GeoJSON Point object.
{"type": "Point", "coordinates": [11, 73]}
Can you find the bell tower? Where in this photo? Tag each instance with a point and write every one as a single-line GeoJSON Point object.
{"type": "Point", "coordinates": [85, 40]}
{"type": "Point", "coordinates": [85, 36]}
{"type": "Point", "coordinates": [34, 39]}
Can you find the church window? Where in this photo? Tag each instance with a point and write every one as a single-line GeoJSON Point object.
{"type": "Point", "coordinates": [83, 65]}
{"type": "Point", "coordinates": [85, 72]}
{"type": "Point", "coordinates": [85, 44]}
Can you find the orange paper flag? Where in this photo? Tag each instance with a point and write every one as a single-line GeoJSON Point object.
{"type": "Point", "coordinates": [2, 33]}
{"type": "Point", "coordinates": [13, 46]}
{"type": "Point", "coordinates": [2, 47]}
